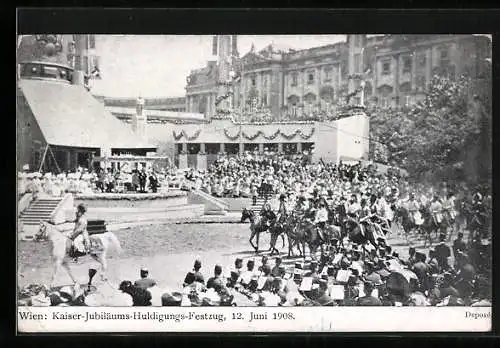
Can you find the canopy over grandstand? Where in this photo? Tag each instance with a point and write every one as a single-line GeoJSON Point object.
{"type": "Point", "coordinates": [54, 127]}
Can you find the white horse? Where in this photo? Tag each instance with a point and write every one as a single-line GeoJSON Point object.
{"type": "Point", "coordinates": [61, 245]}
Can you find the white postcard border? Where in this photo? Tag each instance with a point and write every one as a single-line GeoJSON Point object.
{"type": "Point", "coordinates": [241, 319]}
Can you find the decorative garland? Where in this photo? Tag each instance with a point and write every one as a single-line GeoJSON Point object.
{"type": "Point", "coordinates": [252, 137]}
{"type": "Point", "coordinates": [233, 138]}
{"type": "Point", "coordinates": [298, 132]}
{"type": "Point", "coordinates": [184, 134]}
{"type": "Point", "coordinates": [270, 137]}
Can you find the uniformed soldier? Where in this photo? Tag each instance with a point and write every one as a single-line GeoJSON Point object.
{"type": "Point", "coordinates": [321, 218]}
{"type": "Point", "coordinates": [80, 229]}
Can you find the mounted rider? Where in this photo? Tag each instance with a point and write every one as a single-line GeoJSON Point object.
{"type": "Point", "coordinates": [353, 209]}
{"type": "Point", "coordinates": [414, 210]}
{"type": "Point", "coordinates": [301, 206]}
{"type": "Point", "coordinates": [321, 217]}
{"type": "Point", "coordinates": [80, 229]}
{"type": "Point", "coordinates": [449, 206]}
{"type": "Point", "coordinates": [267, 214]}
{"type": "Point", "coordinates": [436, 210]}
{"type": "Point", "coordinates": [282, 213]}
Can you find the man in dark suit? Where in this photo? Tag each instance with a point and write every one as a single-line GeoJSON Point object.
{"type": "Point", "coordinates": [195, 275]}
{"type": "Point", "coordinates": [459, 244]}
{"type": "Point", "coordinates": [323, 298]}
{"type": "Point", "coordinates": [142, 180]}
{"type": "Point", "coordinates": [145, 282]}
{"type": "Point", "coordinates": [216, 282]}
{"type": "Point", "coordinates": [421, 270]}
{"type": "Point", "coordinates": [368, 299]}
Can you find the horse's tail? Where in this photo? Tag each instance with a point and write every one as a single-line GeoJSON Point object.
{"type": "Point", "coordinates": [114, 240]}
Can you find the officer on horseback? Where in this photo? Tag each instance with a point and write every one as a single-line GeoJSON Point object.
{"type": "Point", "coordinates": [321, 217]}
{"type": "Point", "coordinates": [80, 229]}
{"type": "Point", "coordinates": [414, 210]}
{"type": "Point", "coordinates": [353, 209]}
{"type": "Point", "coordinates": [267, 214]}
{"type": "Point", "coordinates": [282, 209]}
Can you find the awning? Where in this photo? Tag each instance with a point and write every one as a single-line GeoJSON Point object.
{"type": "Point", "coordinates": [68, 115]}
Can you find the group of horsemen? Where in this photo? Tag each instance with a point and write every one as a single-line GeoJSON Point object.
{"type": "Point", "coordinates": [377, 210]}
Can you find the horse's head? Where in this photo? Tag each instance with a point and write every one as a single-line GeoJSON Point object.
{"type": "Point", "coordinates": [246, 214]}
{"type": "Point", "coordinates": [42, 232]}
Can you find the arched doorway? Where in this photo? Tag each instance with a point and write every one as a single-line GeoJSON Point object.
{"type": "Point", "coordinates": [326, 95]}
{"type": "Point", "coordinates": [293, 101]}
{"type": "Point", "coordinates": [309, 101]}
{"type": "Point", "coordinates": [385, 93]}
{"type": "Point", "coordinates": [202, 105]}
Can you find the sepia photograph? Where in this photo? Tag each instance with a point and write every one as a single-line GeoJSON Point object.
{"type": "Point", "coordinates": [252, 171]}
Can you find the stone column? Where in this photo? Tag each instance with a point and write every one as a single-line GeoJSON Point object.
{"type": "Point", "coordinates": [428, 67]}
{"type": "Point", "coordinates": [261, 147]}
{"type": "Point", "coordinates": [68, 160]}
{"type": "Point", "coordinates": [183, 162]}
{"type": "Point", "coordinates": [242, 148]}
{"type": "Point", "coordinates": [201, 159]}
{"type": "Point", "coordinates": [397, 96]}
{"type": "Point", "coordinates": [222, 147]}
{"type": "Point", "coordinates": [414, 71]}
{"type": "Point", "coordinates": [299, 147]}
{"type": "Point", "coordinates": [184, 147]}
{"type": "Point", "coordinates": [280, 147]}
{"type": "Point", "coordinates": [75, 159]}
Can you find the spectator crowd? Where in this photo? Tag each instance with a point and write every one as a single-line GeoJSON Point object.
{"type": "Point", "coordinates": [83, 181]}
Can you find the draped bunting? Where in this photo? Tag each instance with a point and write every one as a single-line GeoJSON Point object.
{"type": "Point", "coordinates": [273, 136]}
{"type": "Point", "coordinates": [184, 134]}
{"type": "Point", "coordinates": [231, 137]}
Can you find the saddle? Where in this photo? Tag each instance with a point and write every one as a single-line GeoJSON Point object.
{"type": "Point", "coordinates": [76, 247]}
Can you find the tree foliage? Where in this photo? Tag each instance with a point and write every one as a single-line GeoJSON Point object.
{"type": "Point", "coordinates": [438, 137]}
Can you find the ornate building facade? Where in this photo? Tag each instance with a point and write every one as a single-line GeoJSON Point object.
{"type": "Point", "coordinates": [284, 84]}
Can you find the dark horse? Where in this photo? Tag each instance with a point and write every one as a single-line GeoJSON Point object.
{"type": "Point", "coordinates": [304, 232]}
{"type": "Point", "coordinates": [257, 226]}
{"type": "Point", "coordinates": [404, 218]}
{"type": "Point", "coordinates": [431, 225]}
{"type": "Point", "coordinates": [361, 233]}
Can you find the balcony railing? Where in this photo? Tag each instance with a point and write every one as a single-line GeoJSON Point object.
{"type": "Point", "coordinates": [265, 116]}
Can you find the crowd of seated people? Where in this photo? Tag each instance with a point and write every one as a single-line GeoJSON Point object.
{"type": "Point", "coordinates": [83, 181]}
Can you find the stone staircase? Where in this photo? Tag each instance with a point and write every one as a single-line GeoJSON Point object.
{"type": "Point", "coordinates": [39, 210]}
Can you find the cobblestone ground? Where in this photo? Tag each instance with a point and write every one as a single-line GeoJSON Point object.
{"type": "Point", "coordinates": [168, 251]}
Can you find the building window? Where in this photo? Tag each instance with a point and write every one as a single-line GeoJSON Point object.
{"type": "Point", "coordinates": [407, 100]}
{"type": "Point", "coordinates": [91, 41]}
{"type": "Point", "coordinates": [264, 100]}
{"type": "Point", "coordinates": [77, 64]}
{"type": "Point", "coordinates": [444, 58]}
{"type": "Point", "coordinates": [357, 63]}
{"type": "Point", "coordinates": [420, 83]}
{"type": "Point", "coordinates": [310, 77]}
{"type": "Point", "coordinates": [254, 82]}
{"type": "Point", "coordinates": [386, 67]}
{"type": "Point", "coordinates": [86, 64]}
{"type": "Point", "coordinates": [407, 64]}
{"type": "Point", "coordinates": [95, 62]}
{"type": "Point", "coordinates": [328, 74]}
{"type": "Point", "coordinates": [422, 60]}
{"type": "Point", "coordinates": [295, 78]}
{"type": "Point", "coordinates": [384, 102]}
